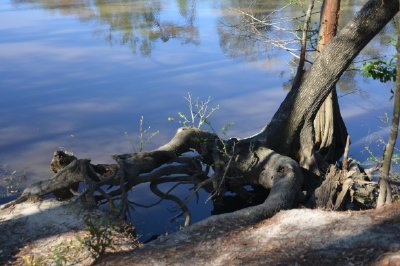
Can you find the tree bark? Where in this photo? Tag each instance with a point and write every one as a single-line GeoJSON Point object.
{"type": "Point", "coordinates": [254, 160]}
{"type": "Point", "coordinates": [385, 193]}
{"type": "Point", "coordinates": [330, 130]}
{"type": "Point", "coordinates": [290, 130]}
{"type": "Point", "coordinates": [249, 164]}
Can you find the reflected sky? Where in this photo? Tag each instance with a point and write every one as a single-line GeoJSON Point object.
{"type": "Point", "coordinates": [63, 84]}
{"type": "Point", "coordinates": [79, 74]}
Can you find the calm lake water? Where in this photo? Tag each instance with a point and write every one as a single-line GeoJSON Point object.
{"type": "Point", "coordinates": [79, 75]}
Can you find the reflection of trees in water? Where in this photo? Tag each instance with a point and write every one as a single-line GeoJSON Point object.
{"type": "Point", "coordinates": [240, 30]}
{"type": "Point", "coordinates": [134, 23]}
{"type": "Point", "coordinates": [251, 29]}
{"type": "Point", "coordinates": [139, 24]}
{"type": "Point", "coordinates": [80, 8]}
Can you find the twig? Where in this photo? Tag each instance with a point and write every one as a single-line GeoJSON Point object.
{"type": "Point", "coordinates": [345, 156]}
{"type": "Point", "coordinates": [300, 68]}
{"type": "Point", "coordinates": [224, 175]}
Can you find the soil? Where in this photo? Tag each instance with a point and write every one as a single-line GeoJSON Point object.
{"type": "Point", "coordinates": [46, 233]}
{"type": "Point", "coordinates": [294, 237]}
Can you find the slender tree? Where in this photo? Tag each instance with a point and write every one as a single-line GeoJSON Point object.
{"type": "Point", "coordinates": [385, 193]}
{"type": "Point", "coordinates": [275, 158]}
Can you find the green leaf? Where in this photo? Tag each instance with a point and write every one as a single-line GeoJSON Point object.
{"type": "Point", "coordinates": [384, 71]}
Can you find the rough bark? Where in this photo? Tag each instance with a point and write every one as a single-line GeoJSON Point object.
{"type": "Point", "coordinates": [288, 132]}
{"type": "Point", "coordinates": [385, 193]}
{"type": "Point", "coordinates": [249, 163]}
{"type": "Point", "coordinates": [330, 130]}
{"type": "Point", "coordinates": [268, 158]}
{"type": "Point", "coordinates": [334, 192]}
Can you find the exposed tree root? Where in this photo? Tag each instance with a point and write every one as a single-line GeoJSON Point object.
{"type": "Point", "coordinates": [176, 161]}
{"type": "Point", "coordinates": [257, 160]}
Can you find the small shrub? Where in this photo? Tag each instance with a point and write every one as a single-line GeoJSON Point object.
{"type": "Point", "coordinates": [199, 112]}
{"type": "Point", "coordinates": [100, 235]}
{"type": "Point", "coordinates": [145, 136]}
{"type": "Point", "coordinates": [66, 253]}
{"type": "Point", "coordinates": [33, 261]}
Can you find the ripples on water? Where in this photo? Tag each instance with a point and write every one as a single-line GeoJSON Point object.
{"type": "Point", "coordinates": [79, 74]}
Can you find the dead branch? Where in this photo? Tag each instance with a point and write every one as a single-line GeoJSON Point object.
{"type": "Point", "coordinates": [303, 45]}
{"type": "Point", "coordinates": [248, 163]}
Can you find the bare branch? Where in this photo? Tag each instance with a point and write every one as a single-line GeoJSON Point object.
{"type": "Point", "coordinates": [302, 59]}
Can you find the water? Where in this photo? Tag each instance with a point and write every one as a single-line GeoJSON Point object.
{"type": "Point", "coordinates": [80, 74]}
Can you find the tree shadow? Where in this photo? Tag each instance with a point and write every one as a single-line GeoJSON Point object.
{"type": "Point", "coordinates": [28, 222]}
{"type": "Point", "coordinates": [296, 237]}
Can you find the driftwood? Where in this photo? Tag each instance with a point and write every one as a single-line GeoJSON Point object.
{"type": "Point", "coordinates": [265, 159]}
{"type": "Point", "coordinates": [187, 157]}
{"type": "Point", "coordinates": [346, 188]}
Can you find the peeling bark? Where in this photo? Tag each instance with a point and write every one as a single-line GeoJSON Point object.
{"type": "Point", "coordinates": [301, 106]}
{"type": "Point", "coordinates": [330, 130]}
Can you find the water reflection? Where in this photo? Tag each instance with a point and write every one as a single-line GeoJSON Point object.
{"type": "Point", "coordinates": [62, 85]}
{"type": "Point", "coordinates": [251, 28]}
{"type": "Point", "coordinates": [256, 29]}
{"type": "Point", "coordinates": [137, 24]}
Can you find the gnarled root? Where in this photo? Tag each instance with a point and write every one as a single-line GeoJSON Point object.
{"type": "Point", "coordinates": [248, 162]}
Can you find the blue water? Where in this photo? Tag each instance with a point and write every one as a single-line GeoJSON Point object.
{"type": "Point", "coordinates": [80, 75]}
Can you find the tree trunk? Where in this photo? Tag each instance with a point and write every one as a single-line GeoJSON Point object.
{"type": "Point", "coordinates": [265, 159]}
{"type": "Point", "coordinates": [385, 193]}
{"type": "Point", "coordinates": [290, 131]}
{"type": "Point", "coordinates": [329, 128]}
